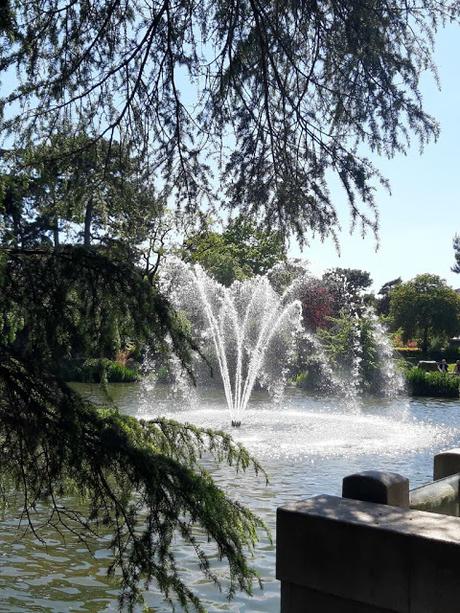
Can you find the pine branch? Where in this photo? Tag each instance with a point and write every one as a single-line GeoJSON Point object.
{"type": "Point", "coordinates": [142, 480]}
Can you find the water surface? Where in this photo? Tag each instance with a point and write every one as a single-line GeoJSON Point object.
{"type": "Point", "coordinates": [306, 445]}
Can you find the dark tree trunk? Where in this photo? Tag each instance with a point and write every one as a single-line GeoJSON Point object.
{"type": "Point", "coordinates": [88, 221]}
{"type": "Point", "coordinates": [425, 340]}
{"type": "Point", "coordinates": [56, 232]}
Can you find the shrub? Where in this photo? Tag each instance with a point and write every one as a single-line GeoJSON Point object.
{"type": "Point", "coordinates": [437, 384]}
{"type": "Point", "coordinates": [98, 371]}
{"type": "Point", "coordinates": [451, 354]}
{"type": "Point", "coordinates": [301, 380]}
{"type": "Point", "coordinates": [118, 373]}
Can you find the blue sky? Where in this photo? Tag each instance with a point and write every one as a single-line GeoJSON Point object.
{"type": "Point", "coordinates": [419, 219]}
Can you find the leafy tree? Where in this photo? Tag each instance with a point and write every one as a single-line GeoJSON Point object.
{"type": "Point", "coordinates": [383, 303]}
{"type": "Point", "coordinates": [141, 480]}
{"type": "Point", "coordinates": [241, 251]}
{"type": "Point", "coordinates": [424, 308]}
{"type": "Point", "coordinates": [351, 346]}
{"type": "Point", "coordinates": [22, 225]}
{"type": "Point", "coordinates": [294, 87]}
{"type": "Point", "coordinates": [287, 273]}
{"type": "Point", "coordinates": [347, 286]}
{"type": "Point", "coordinates": [318, 304]}
{"type": "Point", "coordinates": [95, 191]}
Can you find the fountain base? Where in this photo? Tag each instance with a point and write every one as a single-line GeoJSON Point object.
{"type": "Point", "coordinates": [236, 424]}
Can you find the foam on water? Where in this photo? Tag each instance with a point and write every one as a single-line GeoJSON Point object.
{"type": "Point", "coordinates": [299, 429]}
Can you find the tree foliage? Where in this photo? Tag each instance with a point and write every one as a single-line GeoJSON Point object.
{"type": "Point", "coordinates": [58, 302]}
{"type": "Point", "coordinates": [239, 252]}
{"type": "Point", "coordinates": [143, 481]}
{"type": "Point", "coordinates": [318, 304]}
{"type": "Point", "coordinates": [425, 307]}
{"type": "Point", "coordinates": [350, 344]}
{"type": "Point", "coordinates": [456, 244]}
{"type": "Point", "coordinates": [383, 303]}
{"type": "Point", "coordinates": [275, 96]}
{"type": "Point", "coordinates": [82, 191]}
{"type": "Point", "coordinates": [347, 287]}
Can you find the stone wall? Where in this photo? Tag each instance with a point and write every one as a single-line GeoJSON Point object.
{"type": "Point", "coordinates": [341, 555]}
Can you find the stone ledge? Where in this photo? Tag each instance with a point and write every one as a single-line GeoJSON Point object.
{"type": "Point", "coordinates": [377, 486]}
{"type": "Point", "coordinates": [433, 496]}
{"type": "Point", "coordinates": [299, 598]}
{"type": "Point", "coordinates": [385, 557]}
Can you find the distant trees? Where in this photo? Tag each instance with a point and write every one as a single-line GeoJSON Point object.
{"type": "Point", "coordinates": [318, 304]}
{"type": "Point", "coordinates": [338, 295]}
{"type": "Point", "coordinates": [241, 251]}
{"type": "Point", "coordinates": [75, 190]}
{"type": "Point", "coordinates": [424, 308]}
{"type": "Point", "coordinates": [456, 244]}
{"type": "Point", "coordinates": [383, 303]}
{"type": "Point", "coordinates": [347, 287]}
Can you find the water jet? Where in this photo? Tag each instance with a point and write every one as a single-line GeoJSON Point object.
{"type": "Point", "coordinates": [248, 327]}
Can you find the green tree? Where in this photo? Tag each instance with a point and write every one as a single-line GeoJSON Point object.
{"type": "Point", "coordinates": [22, 225]}
{"type": "Point", "coordinates": [141, 480]}
{"type": "Point", "coordinates": [241, 251]}
{"type": "Point", "coordinates": [347, 287]}
{"type": "Point", "coordinates": [286, 273]}
{"type": "Point", "coordinates": [350, 344]}
{"type": "Point", "coordinates": [424, 308]}
{"type": "Point", "coordinates": [295, 87]}
{"type": "Point", "coordinates": [383, 303]}
{"type": "Point", "coordinates": [95, 192]}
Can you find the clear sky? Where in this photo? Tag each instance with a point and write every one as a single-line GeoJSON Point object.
{"type": "Point", "coordinates": [420, 217]}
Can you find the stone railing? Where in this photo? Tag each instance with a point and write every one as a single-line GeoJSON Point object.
{"type": "Point", "coordinates": [369, 551]}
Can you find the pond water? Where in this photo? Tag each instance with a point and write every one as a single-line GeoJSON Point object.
{"type": "Point", "coordinates": [307, 445]}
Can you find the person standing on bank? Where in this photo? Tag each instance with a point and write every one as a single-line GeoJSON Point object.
{"type": "Point", "coordinates": [443, 366]}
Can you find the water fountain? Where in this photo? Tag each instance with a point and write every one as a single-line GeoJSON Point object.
{"type": "Point", "coordinates": [251, 329]}
{"type": "Point", "coordinates": [252, 333]}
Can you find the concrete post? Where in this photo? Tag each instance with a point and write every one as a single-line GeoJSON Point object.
{"type": "Point", "coordinates": [377, 486]}
{"type": "Point", "coordinates": [446, 463]}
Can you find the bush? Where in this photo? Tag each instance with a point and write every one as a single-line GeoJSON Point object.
{"type": "Point", "coordinates": [118, 373]}
{"type": "Point", "coordinates": [98, 371]}
{"type": "Point", "coordinates": [301, 380]}
{"type": "Point", "coordinates": [437, 384]}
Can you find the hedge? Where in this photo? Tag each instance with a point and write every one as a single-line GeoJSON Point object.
{"type": "Point", "coordinates": [436, 384]}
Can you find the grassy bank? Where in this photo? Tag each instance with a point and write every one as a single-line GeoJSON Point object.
{"type": "Point", "coordinates": [419, 383]}
{"type": "Point", "coordinates": [436, 384]}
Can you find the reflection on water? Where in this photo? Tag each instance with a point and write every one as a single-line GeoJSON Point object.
{"type": "Point", "coordinates": [306, 445]}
